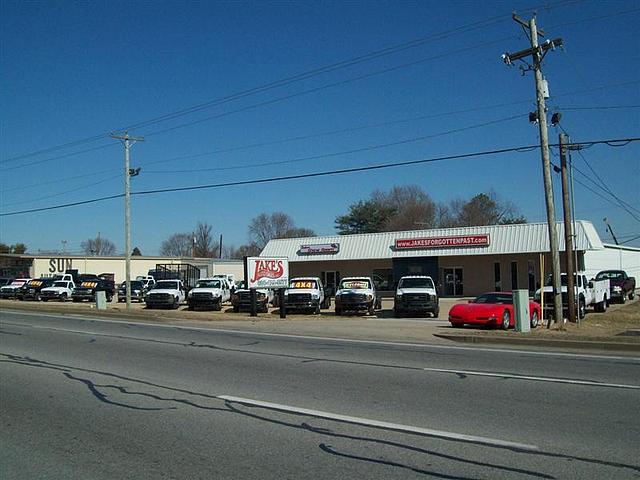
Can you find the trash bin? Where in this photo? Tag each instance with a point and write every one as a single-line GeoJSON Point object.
{"type": "Point", "coordinates": [521, 310]}
{"type": "Point", "coordinates": [101, 300]}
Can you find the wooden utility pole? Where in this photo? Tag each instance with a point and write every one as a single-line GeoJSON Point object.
{"type": "Point", "coordinates": [537, 52]}
{"type": "Point", "coordinates": [568, 230]}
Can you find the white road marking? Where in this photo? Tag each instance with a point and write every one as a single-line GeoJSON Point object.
{"type": "Point", "coordinates": [379, 424]}
{"type": "Point", "coordinates": [591, 383]}
{"type": "Point", "coordinates": [544, 353]}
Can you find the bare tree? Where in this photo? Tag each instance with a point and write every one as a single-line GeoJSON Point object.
{"type": "Point", "coordinates": [98, 246]}
{"type": "Point", "coordinates": [412, 206]}
{"type": "Point", "coordinates": [204, 244]}
{"type": "Point", "coordinates": [249, 250]}
{"type": "Point", "coordinates": [177, 245]}
{"type": "Point", "coordinates": [277, 225]}
{"type": "Point", "coordinates": [481, 209]}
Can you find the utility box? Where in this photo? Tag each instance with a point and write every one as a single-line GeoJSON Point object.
{"type": "Point", "coordinates": [101, 300]}
{"type": "Point", "coordinates": [521, 310]}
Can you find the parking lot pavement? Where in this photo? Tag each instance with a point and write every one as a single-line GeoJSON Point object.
{"type": "Point", "coordinates": [381, 327]}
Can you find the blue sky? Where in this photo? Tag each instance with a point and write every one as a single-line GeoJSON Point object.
{"type": "Point", "coordinates": [75, 70]}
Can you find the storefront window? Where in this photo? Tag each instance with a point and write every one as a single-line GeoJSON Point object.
{"type": "Point", "coordinates": [514, 275]}
{"type": "Point", "coordinates": [383, 278]}
{"type": "Point", "coordinates": [497, 283]}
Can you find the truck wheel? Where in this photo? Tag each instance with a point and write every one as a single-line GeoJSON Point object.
{"type": "Point", "coordinates": [397, 313]}
{"type": "Point", "coordinates": [632, 295]}
{"type": "Point", "coordinates": [601, 306]}
{"type": "Point", "coordinates": [218, 305]}
{"type": "Point", "coordinates": [582, 309]}
{"type": "Point", "coordinates": [45, 299]}
{"type": "Point", "coordinates": [372, 309]}
{"type": "Point", "coordinates": [436, 312]}
{"type": "Point", "coordinates": [338, 311]}
{"type": "Point", "coordinates": [623, 298]}
{"type": "Point", "coordinates": [236, 309]}
{"type": "Point", "coordinates": [176, 304]}
{"type": "Point", "coordinates": [316, 311]}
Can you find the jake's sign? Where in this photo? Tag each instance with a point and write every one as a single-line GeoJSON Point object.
{"type": "Point", "coordinates": [443, 242]}
{"type": "Point", "coordinates": [268, 272]}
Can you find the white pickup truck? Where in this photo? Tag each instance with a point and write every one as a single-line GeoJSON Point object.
{"type": "Point", "coordinates": [165, 293]}
{"type": "Point", "coordinates": [416, 294]}
{"type": "Point", "coordinates": [305, 293]}
{"type": "Point", "coordinates": [209, 293]}
{"type": "Point", "coordinates": [591, 293]}
{"type": "Point", "coordinates": [60, 290]}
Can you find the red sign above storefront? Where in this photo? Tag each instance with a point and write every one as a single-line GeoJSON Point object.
{"type": "Point", "coordinates": [443, 242]}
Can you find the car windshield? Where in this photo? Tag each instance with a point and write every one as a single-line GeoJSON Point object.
{"type": "Point", "coordinates": [610, 276]}
{"type": "Point", "coordinates": [415, 283]}
{"type": "Point", "coordinates": [303, 284]}
{"type": "Point", "coordinates": [168, 284]}
{"type": "Point", "coordinates": [494, 298]}
{"type": "Point", "coordinates": [134, 284]}
{"type": "Point", "coordinates": [209, 284]}
{"type": "Point", "coordinates": [355, 284]}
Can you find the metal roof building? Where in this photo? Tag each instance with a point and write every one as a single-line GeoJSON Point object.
{"type": "Point", "coordinates": [462, 260]}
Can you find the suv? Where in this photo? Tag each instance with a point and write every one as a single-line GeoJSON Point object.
{"type": "Point", "coordinates": [209, 293]}
{"type": "Point", "coordinates": [416, 294]}
{"type": "Point", "coordinates": [165, 293]}
{"type": "Point", "coordinates": [305, 293]}
{"type": "Point", "coordinates": [31, 289]}
{"type": "Point", "coordinates": [356, 294]}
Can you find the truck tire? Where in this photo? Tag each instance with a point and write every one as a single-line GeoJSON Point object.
{"type": "Point", "coordinates": [632, 295]}
{"type": "Point", "coordinates": [623, 299]}
{"type": "Point", "coordinates": [601, 306]}
{"type": "Point", "coordinates": [436, 312]}
{"type": "Point", "coordinates": [218, 305]}
{"type": "Point", "coordinates": [582, 309]}
{"type": "Point", "coordinates": [236, 309]}
{"type": "Point", "coordinates": [338, 311]}
{"type": "Point", "coordinates": [316, 311]}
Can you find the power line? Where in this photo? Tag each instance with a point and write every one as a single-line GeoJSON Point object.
{"type": "Point", "coordinates": [309, 175]}
{"type": "Point", "coordinates": [299, 77]}
{"type": "Point", "coordinates": [344, 152]}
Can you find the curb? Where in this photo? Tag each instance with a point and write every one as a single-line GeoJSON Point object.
{"type": "Point", "coordinates": [540, 342]}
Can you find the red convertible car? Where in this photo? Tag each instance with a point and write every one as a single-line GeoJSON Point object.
{"type": "Point", "coordinates": [491, 309]}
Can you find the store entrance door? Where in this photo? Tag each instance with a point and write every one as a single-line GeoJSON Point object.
{"type": "Point", "coordinates": [453, 284]}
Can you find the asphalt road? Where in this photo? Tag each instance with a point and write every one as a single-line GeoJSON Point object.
{"type": "Point", "coordinates": [87, 398]}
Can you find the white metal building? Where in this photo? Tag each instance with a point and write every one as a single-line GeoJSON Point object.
{"type": "Point", "coordinates": [463, 261]}
{"type": "Point", "coordinates": [36, 266]}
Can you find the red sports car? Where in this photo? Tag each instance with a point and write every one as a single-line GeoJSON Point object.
{"type": "Point", "coordinates": [495, 309]}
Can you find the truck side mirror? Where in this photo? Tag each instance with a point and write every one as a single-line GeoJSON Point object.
{"type": "Point", "coordinates": [590, 284]}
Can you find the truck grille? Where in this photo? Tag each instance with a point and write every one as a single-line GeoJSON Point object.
{"type": "Point", "coordinates": [353, 298]}
{"type": "Point", "coordinates": [416, 297]}
{"type": "Point", "coordinates": [202, 296]}
{"type": "Point", "coordinates": [299, 298]}
{"type": "Point", "coordinates": [159, 297]}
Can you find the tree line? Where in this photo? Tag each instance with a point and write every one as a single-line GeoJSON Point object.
{"type": "Point", "coordinates": [406, 207]}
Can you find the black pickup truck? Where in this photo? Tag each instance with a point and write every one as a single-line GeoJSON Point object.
{"type": "Point", "coordinates": [621, 285]}
{"type": "Point", "coordinates": [89, 285]}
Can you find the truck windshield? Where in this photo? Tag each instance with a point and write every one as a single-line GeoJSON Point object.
{"type": "Point", "coordinates": [209, 284]}
{"type": "Point", "coordinates": [610, 275]}
{"type": "Point", "coordinates": [166, 284]}
{"type": "Point", "coordinates": [415, 283]}
{"type": "Point", "coordinates": [303, 284]}
{"type": "Point", "coordinates": [60, 284]}
{"type": "Point", "coordinates": [355, 284]}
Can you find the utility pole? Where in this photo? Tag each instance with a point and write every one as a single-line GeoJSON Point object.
{"type": "Point", "coordinates": [127, 141]}
{"type": "Point", "coordinates": [537, 53]}
{"type": "Point", "coordinates": [568, 230]}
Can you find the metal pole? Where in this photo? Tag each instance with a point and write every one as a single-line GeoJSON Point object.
{"type": "Point", "coordinates": [127, 142]}
{"type": "Point", "coordinates": [127, 222]}
{"type": "Point", "coordinates": [546, 167]}
{"type": "Point", "coordinates": [568, 230]}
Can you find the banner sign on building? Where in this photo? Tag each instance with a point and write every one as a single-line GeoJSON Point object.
{"type": "Point", "coordinates": [443, 242]}
{"type": "Point", "coordinates": [319, 249]}
{"type": "Point", "coordinates": [268, 272]}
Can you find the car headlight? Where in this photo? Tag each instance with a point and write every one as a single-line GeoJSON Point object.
{"type": "Point", "coordinates": [369, 296]}
{"type": "Point", "coordinates": [190, 293]}
{"type": "Point", "coordinates": [617, 289]}
{"type": "Point", "coordinates": [315, 296]}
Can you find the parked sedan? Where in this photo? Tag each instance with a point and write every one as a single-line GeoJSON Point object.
{"type": "Point", "coordinates": [491, 309]}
